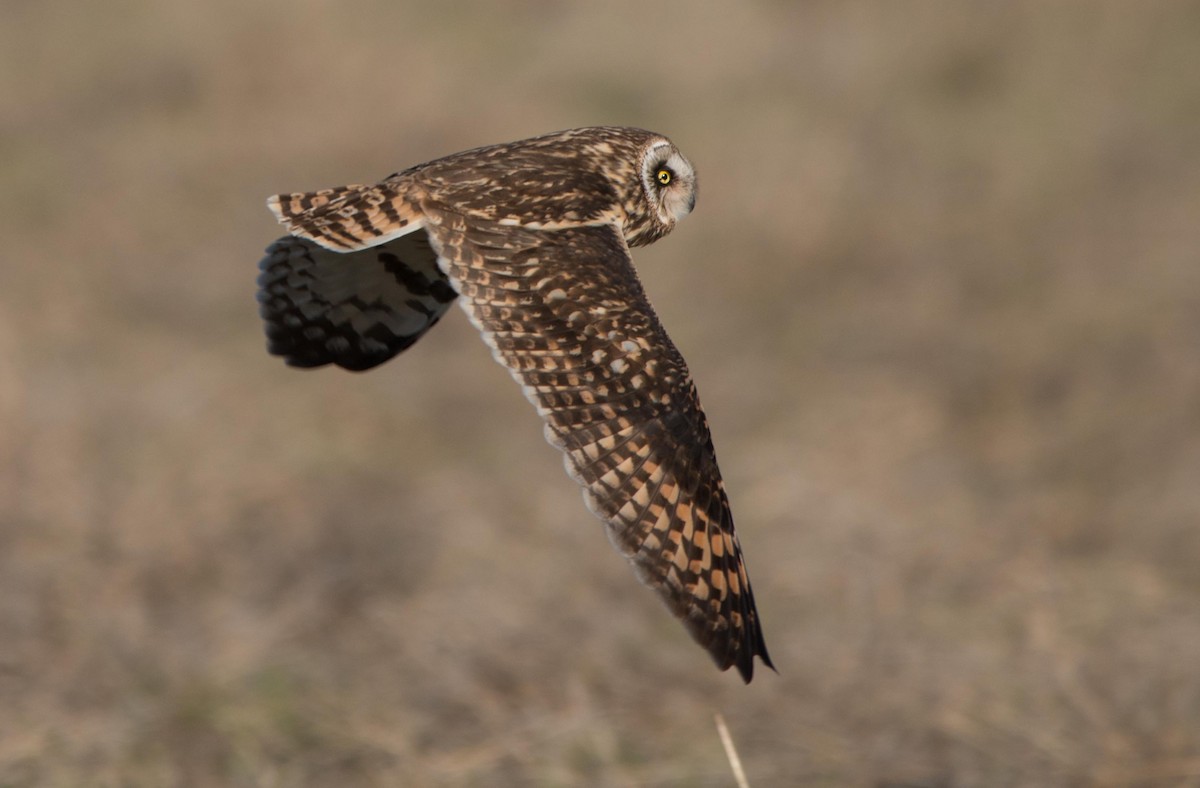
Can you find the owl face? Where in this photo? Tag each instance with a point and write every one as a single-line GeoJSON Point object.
{"type": "Point", "coordinates": [669, 182]}
{"type": "Point", "coordinates": [659, 192]}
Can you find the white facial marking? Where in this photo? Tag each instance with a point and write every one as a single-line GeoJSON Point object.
{"type": "Point", "coordinates": [674, 199]}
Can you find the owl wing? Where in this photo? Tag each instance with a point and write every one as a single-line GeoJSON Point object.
{"type": "Point", "coordinates": [354, 309]}
{"type": "Point", "coordinates": [565, 312]}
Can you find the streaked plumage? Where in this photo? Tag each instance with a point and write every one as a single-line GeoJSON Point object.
{"type": "Point", "coordinates": [534, 237]}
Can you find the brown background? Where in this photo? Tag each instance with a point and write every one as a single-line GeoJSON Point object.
{"type": "Point", "coordinates": [941, 295]}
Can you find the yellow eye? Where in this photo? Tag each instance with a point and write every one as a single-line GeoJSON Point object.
{"type": "Point", "coordinates": [664, 176]}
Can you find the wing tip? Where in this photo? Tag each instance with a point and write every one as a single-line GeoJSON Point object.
{"type": "Point", "coordinates": [745, 657]}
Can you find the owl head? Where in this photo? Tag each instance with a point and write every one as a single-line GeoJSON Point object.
{"type": "Point", "coordinates": [668, 184]}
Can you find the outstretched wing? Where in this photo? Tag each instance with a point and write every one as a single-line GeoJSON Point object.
{"type": "Point", "coordinates": [356, 309]}
{"type": "Point", "coordinates": [564, 311]}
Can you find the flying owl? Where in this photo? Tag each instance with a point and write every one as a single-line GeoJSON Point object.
{"type": "Point", "coordinates": [532, 239]}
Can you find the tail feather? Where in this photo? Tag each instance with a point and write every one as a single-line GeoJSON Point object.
{"type": "Point", "coordinates": [348, 218]}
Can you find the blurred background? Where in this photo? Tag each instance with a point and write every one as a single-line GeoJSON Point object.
{"type": "Point", "coordinates": [941, 296]}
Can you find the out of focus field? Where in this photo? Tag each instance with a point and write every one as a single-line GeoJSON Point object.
{"type": "Point", "coordinates": [941, 296]}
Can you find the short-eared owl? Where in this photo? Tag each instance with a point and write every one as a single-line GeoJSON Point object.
{"type": "Point", "coordinates": [533, 239]}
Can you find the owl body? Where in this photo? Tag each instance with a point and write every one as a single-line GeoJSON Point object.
{"type": "Point", "coordinates": [532, 238]}
{"type": "Point", "coordinates": [579, 176]}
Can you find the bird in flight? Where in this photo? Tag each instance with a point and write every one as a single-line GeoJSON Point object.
{"type": "Point", "coordinates": [533, 238]}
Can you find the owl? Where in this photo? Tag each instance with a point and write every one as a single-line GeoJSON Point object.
{"type": "Point", "coordinates": [533, 239]}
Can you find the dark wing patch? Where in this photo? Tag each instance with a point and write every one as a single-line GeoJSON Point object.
{"type": "Point", "coordinates": [355, 310]}
{"type": "Point", "coordinates": [565, 312]}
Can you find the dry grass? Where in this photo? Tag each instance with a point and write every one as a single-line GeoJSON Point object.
{"type": "Point", "coordinates": [941, 295]}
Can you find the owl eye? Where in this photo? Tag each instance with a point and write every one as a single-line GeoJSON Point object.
{"type": "Point", "coordinates": [664, 176]}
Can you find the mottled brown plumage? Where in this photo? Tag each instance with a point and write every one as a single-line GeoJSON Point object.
{"type": "Point", "coordinates": [534, 237]}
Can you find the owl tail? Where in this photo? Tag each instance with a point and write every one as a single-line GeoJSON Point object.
{"type": "Point", "coordinates": [348, 218]}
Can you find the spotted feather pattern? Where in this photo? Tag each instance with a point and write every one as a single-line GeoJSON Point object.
{"type": "Point", "coordinates": [565, 312]}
